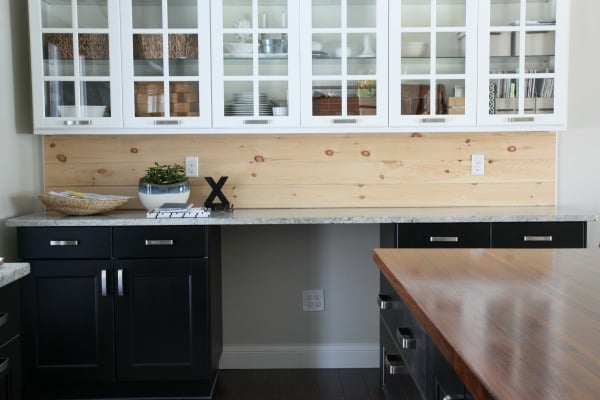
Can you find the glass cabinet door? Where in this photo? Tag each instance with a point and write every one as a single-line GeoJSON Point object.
{"type": "Point", "coordinates": [523, 66]}
{"type": "Point", "coordinates": [256, 63]}
{"type": "Point", "coordinates": [344, 63]}
{"type": "Point", "coordinates": [433, 62]}
{"type": "Point", "coordinates": [166, 69]}
{"type": "Point", "coordinates": [75, 64]}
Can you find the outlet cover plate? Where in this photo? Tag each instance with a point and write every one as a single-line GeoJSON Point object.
{"type": "Point", "coordinates": [313, 300]}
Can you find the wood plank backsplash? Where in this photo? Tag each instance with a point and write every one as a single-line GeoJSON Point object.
{"type": "Point", "coordinates": [319, 170]}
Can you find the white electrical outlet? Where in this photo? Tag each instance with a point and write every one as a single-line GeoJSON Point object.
{"type": "Point", "coordinates": [313, 300]}
{"type": "Point", "coordinates": [477, 164]}
{"type": "Point", "coordinates": [191, 166]}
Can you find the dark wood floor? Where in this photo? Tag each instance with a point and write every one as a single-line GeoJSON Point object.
{"type": "Point", "coordinates": [298, 384]}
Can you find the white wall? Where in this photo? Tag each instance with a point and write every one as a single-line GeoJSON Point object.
{"type": "Point", "coordinates": [20, 151]}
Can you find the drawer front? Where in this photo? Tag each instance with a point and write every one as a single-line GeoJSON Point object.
{"type": "Point", "coordinates": [158, 242]}
{"type": "Point", "coordinates": [391, 308]}
{"type": "Point", "coordinates": [9, 311]}
{"type": "Point", "coordinates": [446, 235]}
{"type": "Point", "coordinates": [10, 370]}
{"type": "Point", "coordinates": [64, 242]}
{"type": "Point", "coordinates": [539, 234]}
{"type": "Point", "coordinates": [412, 341]}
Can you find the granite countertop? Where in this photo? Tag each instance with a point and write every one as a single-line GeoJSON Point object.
{"type": "Point", "coordinates": [10, 272]}
{"type": "Point", "coordinates": [315, 216]}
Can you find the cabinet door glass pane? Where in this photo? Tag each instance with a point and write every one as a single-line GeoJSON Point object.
{"type": "Point", "coordinates": [366, 93]}
{"type": "Point", "coordinates": [183, 55]}
{"type": "Point", "coordinates": [504, 96]}
{"type": "Point", "coordinates": [450, 56]}
{"type": "Point", "coordinates": [272, 94]}
{"type": "Point", "coordinates": [326, 61]}
{"type": "Point", "coordinates": [415, 97]}
{"type": "Point", "coordinates": [182, 14]}
{"type": "Point", "coordinates": [415, 50]}
{"type": "Point", "coordinates": [361, 60]}
{"type": "Point", "coordinates": [326, 14]}
{"type": "Point", "coordinates": [272, 14]}
{"type": "Point", "coordinates": [455, 92]}
{"type": "Point", "coordinates": [415, 13]}
{"type": "Point", "coordinates": [93, 54]}
{"type": "Point", "coordinates": [147, 55]}
{"type": "Point", "coordinates": [238, 15]}
{"type": "Point", "coordinates": [451, 13]}
{"type": "Point", "coordinates": [361, 14]}
{"type": "Point", "coordinates": [95, 99]}
{"type": "Point", "coordinates": [58, 54]}
{"type": "Point", "coordinates": [239, 98]}
{"type": "Point", "coordinates": [541, 12]}
{"type": "Point", "coordinates": [505, 13]}
{"type": "Point", "coordinates": [56, 14]}
{"type": "Point", "coordinates": [327, 98]}
{"type": "Point", "coordinates": [92, 14]}
{"type": "Point", "coordinates": [57, 95]}
{"type": "Point", "coordinates": [539, 51]}
{"type": "Point", "coordinates": [147, 14]}
{"type": "Point", "coordinates": [149, 99]}
{"type": "Point", "coordinates": [184, 99]}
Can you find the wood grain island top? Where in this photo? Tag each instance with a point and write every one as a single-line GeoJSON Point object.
{"type": "Point", "coordinates": [515, 324]}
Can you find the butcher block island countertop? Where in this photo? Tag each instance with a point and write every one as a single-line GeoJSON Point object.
{"type": "Point", "coordinates": [515, 324]}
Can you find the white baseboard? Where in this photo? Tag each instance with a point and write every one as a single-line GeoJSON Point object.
{"type": "Point", "coordinates": [300, 356]}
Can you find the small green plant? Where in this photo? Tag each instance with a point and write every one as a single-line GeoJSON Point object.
{"type": "Point", "coordinates": [165, 174]}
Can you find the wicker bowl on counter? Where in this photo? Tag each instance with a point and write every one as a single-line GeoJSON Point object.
{"type": "Point", "coordinates": [80, 206]}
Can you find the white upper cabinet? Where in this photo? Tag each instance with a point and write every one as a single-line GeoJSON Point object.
{"type": "Point", "coordinates": [75, 64]}
{"type": "Point", "coordinates": [343, 47]}
{"type": "Point", "coordinates": [166, 64]}
{"type": "Point", "coordinates": [256, 64]}
{"type": "Point", "coordinates": [523, 60]}
{"type": "Point", "coordinates": [433, 63]}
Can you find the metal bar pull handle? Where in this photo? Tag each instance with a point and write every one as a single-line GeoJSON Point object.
{"type": "Point", "coordinates": [521, 119]}
{"type": "Point", "coordinates": [256, 121]}
{"type": "Point", "coordinates": [454, 397]}
{"type": "Point", "coordinates": [120, 290]}
{"type": "Point", "coordinates": [394, 364]}
{"type": "Point", "coordinates": [64, 243]}
{"type": "Point", "coordinates": [77, 123]}
{"type": "Point", "coordinates": [434, 239]}
{"type": "Point", "coordinates": [345, 121]}
{"type": "Point", "coordinates": [532, 238]}
{"type": "Point", "coordinates": [433, 120]}
{"type": "Point", "coordinates": [3, 319]}
{"type": "Point", "coordinates": [159, 242]}
{"type": "Point", "coordinates": [4, 364]}
{"type": "Point", "coordinates": [167, 122]}
{"type": "Point", "coordinates": [103, 287]}
{"type": "Point", "coordinates": [384, 301]}
{"type": "Point", "coordinates": [406, 338]}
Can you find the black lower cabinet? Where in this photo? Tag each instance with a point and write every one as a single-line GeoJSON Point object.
{"type": "Point", "coordinates": [446, 384]}
{"type": "Point", "coordinates": [143, 322]}
{"type": "Point", "coordinates": [10, 345]}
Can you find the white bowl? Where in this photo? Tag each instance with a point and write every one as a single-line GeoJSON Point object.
{"type": "Point", "coordinates": [238, 48]}
{"type": "Point", "coordinates": [415, 49]}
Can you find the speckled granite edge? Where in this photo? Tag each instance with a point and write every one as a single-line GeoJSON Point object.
{"type": "Point", "coordinates": [315, 216]}
{"type": "Point", "coordinates": [10, 272]}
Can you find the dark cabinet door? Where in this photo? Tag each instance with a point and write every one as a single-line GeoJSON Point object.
{"type": "Point", "coordinates": [161, 319]}
{"type": "Point", "coordinates": [10, 370]}
{"type": "Point", "coordinates": [67, 321]}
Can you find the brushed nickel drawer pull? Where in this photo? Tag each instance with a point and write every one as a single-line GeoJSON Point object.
{"type": "Point", "coordinates": [531, 238]}
{"type": "Point", "coordinates": [344, 121]}
{"type": "Point", "coordinates": [257, 122]}
{"type": "Point", "coordinates": [384, 301]}
{"type": "Point", "coordinates": [433, 120]}
{"type": "Point", "coordinates": [3, 319]}
{"type": "Point", "coordinates": [77, 123]}
{"type": "Point", "coordinates": [120, 290]}
{"type": "Point", "coordinates": [103, 283]}
{"type": "Point", "coordinates": [406, 338]}
{"type": "Point", "coordinates": [521, 119]}
{"type": "Point", "coordinates": [454, 397]}
{"type": "Point", "coordinates": [4, 364]}
{"type": "Point", "coordinates": [434, 239]}
{"type": "Point", "coordinates": [167, 122]}
{"type": "Point", "coordinates": [394, 364]}
{"type": "Point", "coordinates": [158, 242]}
{"type": "Point", "coordinates": [64, 243]}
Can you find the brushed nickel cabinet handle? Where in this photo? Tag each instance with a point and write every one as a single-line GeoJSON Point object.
{"type": "Point", "coordinates": [155, 242]}
{"type": "Point", "coordinates": [521, 119]}
{"type": "Point", "coordinates": [394, 364]}
{"type": "Point", "coordinates": [3, 319]}
{"type": "Point", "coordinates": [384, 301]}
{"type": "Point", "coordinates": [433, 120]}
{"type": "Point", "coordinates": [4, 364]}
{"type": "Point", "coordinates": [454, 397]}
{"type": "Point", "coordinates": [77, 123]}
{"type": "Point", "coordinates": [103, 286]}
{"type": "Point", "coordinates": [406, 338]}
{"type": "Point", "coordinates": [345, 121]}
{"type": "Point", "coordinates": [532, 238]}
{"type": "Point", "coordinates": [64, 243]}
{"type": "Point", "coordinates": [434, 239]}
{"type": "Point", "coordinates": [120, 290]}
{"type": "Point", "coordinates": [256, 121]}
{"type": "Point", "coordinates": [167, 122]}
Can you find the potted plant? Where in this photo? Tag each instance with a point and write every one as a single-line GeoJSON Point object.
{"type": "Point", "coordinates": [162, 184]}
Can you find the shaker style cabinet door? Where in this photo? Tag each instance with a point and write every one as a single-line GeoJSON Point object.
{"type": "Point", "coordinates": [256, 64]}
{"type": "Point", "coordinates": [75, 65]}
{"type": "Point", "coordinates": [166, 64]}
{"type": "Point", "coordinates": [523, 60]}
{"type": "Point", "coordinates": [344, 47]}
{"type": "Point", "coordinates": [433, 63]}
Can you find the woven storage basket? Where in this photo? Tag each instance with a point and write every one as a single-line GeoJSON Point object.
{"type": "Point", "coordinates": [79, 206]}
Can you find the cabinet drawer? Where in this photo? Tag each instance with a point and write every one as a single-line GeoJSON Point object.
{"type": "Point", "coordinates": [9, 311]}
{"type": "Point", "coordinates": [10, 370]}
{"type": "Point", "coordinates": [157, 242]}
{"type": "Point", "coordinates": [459, 235]}
{"type": "Point", "coordinates": [539, 234]}
{"type": "Point", "coordinates": [391, 308]}
{"type": "Point", "coordinates": [81, 243]}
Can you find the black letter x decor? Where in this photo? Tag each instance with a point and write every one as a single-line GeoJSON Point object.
{"type": "Point", "coordinates": [216, 192]}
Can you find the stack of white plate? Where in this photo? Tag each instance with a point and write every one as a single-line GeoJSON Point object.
{"type": "Point", "coordinates": [243, 105]}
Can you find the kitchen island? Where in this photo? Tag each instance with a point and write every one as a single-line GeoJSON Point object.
{"type": "Point", "coordinates": [513, 323]}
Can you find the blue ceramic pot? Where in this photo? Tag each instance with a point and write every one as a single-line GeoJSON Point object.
{"type": "Point", "coordinates": [153, 195]}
